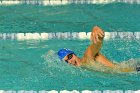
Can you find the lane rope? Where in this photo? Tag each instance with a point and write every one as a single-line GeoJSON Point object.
{"type": "Point", "coordinates": [67, 35]}
{"type": "Point", "coordinates": [66, 91]}
{"type": "Point", "coordinates": [64, 2]}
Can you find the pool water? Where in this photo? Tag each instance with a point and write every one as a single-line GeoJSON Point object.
{"type": "Point", "coordinates": [70, 18]}
{"type": "Point", "coordinates": [34, 65]}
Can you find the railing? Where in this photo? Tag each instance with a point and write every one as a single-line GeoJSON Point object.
{"type": "Point", "coordinates": [68, 35]}
{"type": "Point", "coordinates": [63, 2]}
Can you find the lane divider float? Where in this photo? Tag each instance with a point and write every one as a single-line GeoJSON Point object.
{"type": "Point", "coordinates": [67, 35]}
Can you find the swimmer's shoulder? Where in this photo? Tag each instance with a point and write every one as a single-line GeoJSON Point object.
{"type": "Point", "coordinates": [87, 61]}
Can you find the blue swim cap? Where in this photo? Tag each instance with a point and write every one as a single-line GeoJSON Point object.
{"type": "Point", "coordinates": [63, 52]}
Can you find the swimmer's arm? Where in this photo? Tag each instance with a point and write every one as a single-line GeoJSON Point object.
{"type": "Point", "coordinates": [96, 39]}
{"type": "Point", "coordinates": [97, 35]}
{"type": "Point", "coordinates": [103, 60]}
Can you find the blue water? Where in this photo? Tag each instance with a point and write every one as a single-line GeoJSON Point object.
{"type": "Point", "coordinates": [34, 65]}
{"type": "Point", "coordinates": [70, 18]}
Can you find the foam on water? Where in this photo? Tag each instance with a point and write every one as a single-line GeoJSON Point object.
{"type": "Point", "coordinates": [53, 61]}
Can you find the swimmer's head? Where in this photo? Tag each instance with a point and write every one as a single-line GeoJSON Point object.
{"type": "Point", "coordinates": [69, 56]}
{"type": "Point", "coordinates": [64, 52]}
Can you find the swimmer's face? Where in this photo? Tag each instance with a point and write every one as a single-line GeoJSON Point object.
{"type": "Point", "coordinates": [71, 59]}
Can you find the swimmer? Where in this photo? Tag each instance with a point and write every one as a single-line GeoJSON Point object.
{"type": "Point", "coordinates": [91, 53]}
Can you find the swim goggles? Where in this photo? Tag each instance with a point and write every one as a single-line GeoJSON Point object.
{"type": "Point", "coordinates": [69, 56]}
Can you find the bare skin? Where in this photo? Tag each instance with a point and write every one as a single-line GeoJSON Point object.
{"type": "Point", "coordinates": [92, 52]}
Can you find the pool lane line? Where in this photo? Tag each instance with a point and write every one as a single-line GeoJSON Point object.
{"type": "Point", "coordinates": [64, 2]}
{"type": "Point", "coordinates": [67, 35]}
{"type": "Point", "coordinates": [73, 91]}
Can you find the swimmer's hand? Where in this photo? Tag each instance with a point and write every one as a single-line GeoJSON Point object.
{"type": "Point", "coordinates": [97, 34]}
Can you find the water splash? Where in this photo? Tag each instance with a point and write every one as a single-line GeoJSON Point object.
{"type": "Point", "coordinates": [131, 63]}
{"type": "Point", "coordinates": [54, 65]}
{"type": "Point", "coordinates": [53, 62]}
